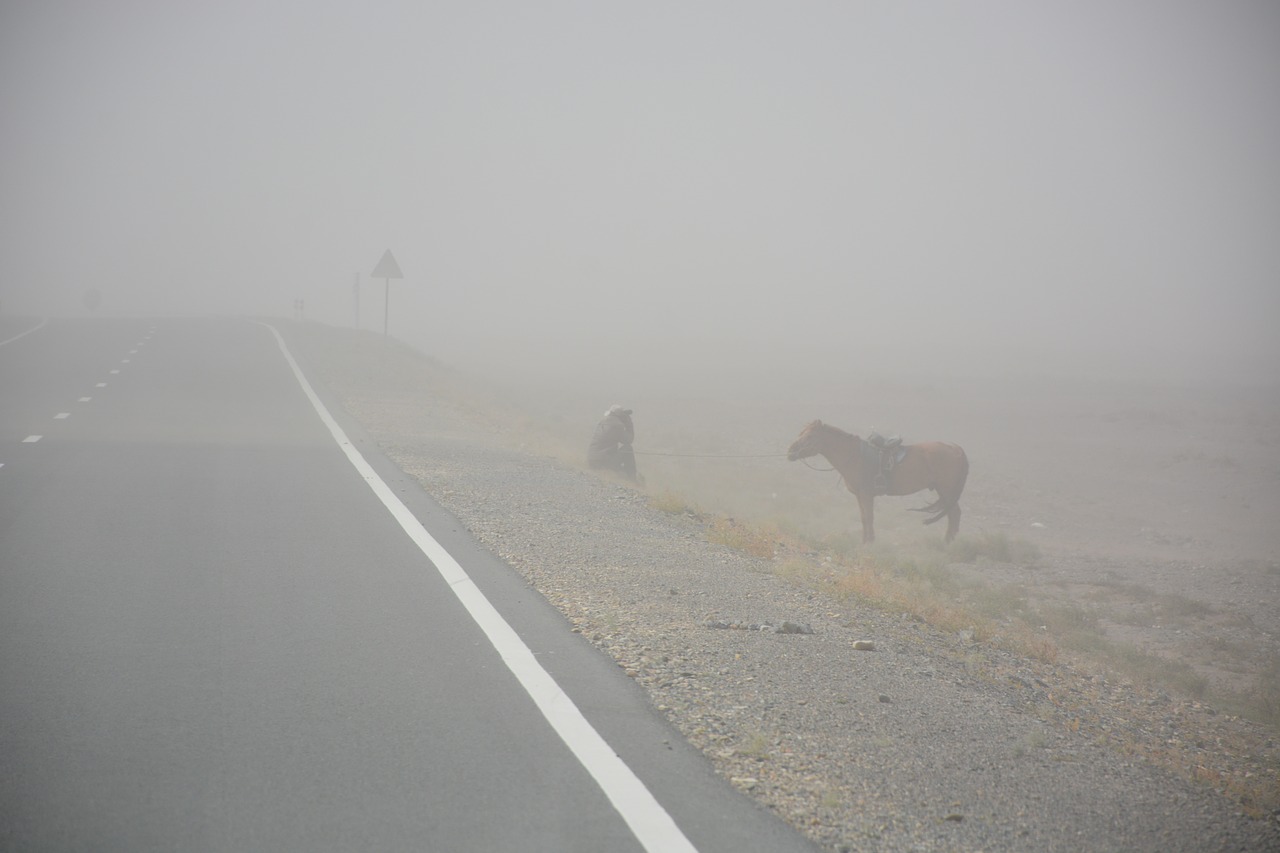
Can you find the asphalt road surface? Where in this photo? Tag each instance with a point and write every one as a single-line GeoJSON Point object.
{"type": "Point", "coordinates": [219, 632]}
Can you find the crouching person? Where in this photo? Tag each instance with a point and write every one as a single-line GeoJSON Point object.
{"type": "Point", "coordinates": [610, 448]}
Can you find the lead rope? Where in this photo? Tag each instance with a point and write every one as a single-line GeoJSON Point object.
{"type": "Point", "coordinates": [728, 456]}
{"type": "Point", "coordinates": [712, 455]}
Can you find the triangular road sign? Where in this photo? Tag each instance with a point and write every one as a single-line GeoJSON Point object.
{"type": "Point", "coordinates": [387, 267]}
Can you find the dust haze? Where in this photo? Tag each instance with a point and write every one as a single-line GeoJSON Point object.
{"type": "Point", "coordinates": [985, 224]}
{"type": "Point", "coordinates": [1049, 232]}
{"type": "Point", "coordinates": [587, 193]}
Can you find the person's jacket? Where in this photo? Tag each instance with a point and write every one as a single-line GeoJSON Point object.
{"type": "Point", "coordinates": [615, 430]}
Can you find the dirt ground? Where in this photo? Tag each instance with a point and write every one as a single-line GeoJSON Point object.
{"type": "Point", "coordinates": [1154, 509]}
{"type": "Point", "coordinates": [1146, 513]}
{"type": "Point", "coordinates": [1151, 509]}
{"type": "Point", "coordinates": [1160, 510]}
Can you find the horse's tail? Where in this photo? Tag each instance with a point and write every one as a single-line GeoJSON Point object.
{"type": "Point", "coordinates": [941, 515]}
{"type": "Point", "coordinates": [948, 499]}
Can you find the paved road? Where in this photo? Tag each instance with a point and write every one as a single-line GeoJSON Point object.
{"type": "Point", "coordinates": [215, 636]}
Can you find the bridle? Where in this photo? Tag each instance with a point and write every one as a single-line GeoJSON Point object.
{"type": "Point", "coordinates": [811, 468]}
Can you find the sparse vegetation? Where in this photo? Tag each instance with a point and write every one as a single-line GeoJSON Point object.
{"type": "Point", "coordinates": [1262, 703]}
{"type": "Point", "coordinates": [743, 537]}
{"type": "Point", "coordinates": [797, 570]}
{"type": "Point", "coordinates": [985, 587]}
{"type": "Point", "coordinates": [756, 745]}
{"type": "Point", "coordinates": [1034, 741]}
{"type": "Point", "coordinates": [916, 580]}
{"type": "Point", "coordinates": [671, 503]}
{"type": "Point", "coordinates": [996, 547]}
{"type": "Point", "coordinates": [1178, 608]}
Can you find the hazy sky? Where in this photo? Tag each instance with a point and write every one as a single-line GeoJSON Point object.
{"type": "Point", "coordinates": [937, 183]}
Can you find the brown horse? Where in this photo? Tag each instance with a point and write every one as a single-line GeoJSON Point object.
{"type": "Point", "coordinates": [929, 465]}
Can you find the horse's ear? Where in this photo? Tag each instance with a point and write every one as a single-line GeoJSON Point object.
{"type": "Point", "coordinates": [817, 423]}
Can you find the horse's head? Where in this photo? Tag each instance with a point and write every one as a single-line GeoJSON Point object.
{"type": "Point", "coordinates": [807, 444]}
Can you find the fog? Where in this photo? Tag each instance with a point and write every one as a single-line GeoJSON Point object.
{"type": "Point", "coordinates": [581, 190]}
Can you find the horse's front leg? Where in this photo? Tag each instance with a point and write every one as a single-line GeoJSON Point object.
{"type": "Point", "coordinates": [867, 506]}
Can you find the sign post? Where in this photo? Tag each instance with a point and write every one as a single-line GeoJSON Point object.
{"type": "Point", "coordinates": [356, 293]}
{"type": "Point", "coordinates": [386, 270]}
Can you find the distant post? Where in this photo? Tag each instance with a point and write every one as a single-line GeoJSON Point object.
{"type": "Point", "coordinates": [356, 292]}
{"type": "Point", "coordinates": [386, 270]}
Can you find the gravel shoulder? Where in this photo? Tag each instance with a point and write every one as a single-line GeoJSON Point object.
{"type": "Point", "coordinates": [865, 730]}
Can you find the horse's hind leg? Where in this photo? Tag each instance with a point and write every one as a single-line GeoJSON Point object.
{"type": "Point", "coordinates": [953, 521]}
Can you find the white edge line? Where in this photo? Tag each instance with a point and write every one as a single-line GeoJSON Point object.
{"type": "Point", "coordinates": [652, 826]}
{"type": "Point", "coordinates": [36, 327]}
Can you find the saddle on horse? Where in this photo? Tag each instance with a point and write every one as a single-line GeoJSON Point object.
{"type": "Point", "coordinates": [887, 452]}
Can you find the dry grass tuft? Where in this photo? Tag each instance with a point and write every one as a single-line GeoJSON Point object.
{"type": "Point", "coordinates": [996, 547]}
{"type": "Point", "coordinates": [748, 539]}
{"type": "Point", "coordinates": [672, 504]}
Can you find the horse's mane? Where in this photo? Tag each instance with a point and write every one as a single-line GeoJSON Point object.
{"type": "Point", "coordinates": [834, 429]}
